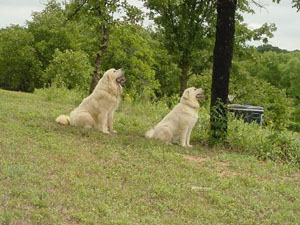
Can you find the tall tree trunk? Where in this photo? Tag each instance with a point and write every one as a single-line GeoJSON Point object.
{"type": "Point", "coordinates": [222, 61]}
{"type": "Point", "coordinates": [99, 57]}
{"type": "Point", "coordinates": [184, 77]}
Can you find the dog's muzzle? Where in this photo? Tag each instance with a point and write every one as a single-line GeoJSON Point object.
{"type": "Point", "coordinates": [199, 96]}
{"type": "Point", "coordinates": [121, 80]}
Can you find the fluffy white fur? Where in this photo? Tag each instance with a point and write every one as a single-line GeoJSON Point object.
{"type": "Point", "coordinates": [97, 110]}
{"type": "Point", "coordinates": [178, 124]}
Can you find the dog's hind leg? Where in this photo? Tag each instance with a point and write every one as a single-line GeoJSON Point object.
{"type": "Point", "coordinates": [83, 119]}
{"type": "Point", "coordinates": [164, 134]}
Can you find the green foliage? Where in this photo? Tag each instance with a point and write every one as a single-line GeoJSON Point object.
{"type": "Point", "coordinates": [95, 18]}
{"type": "Point", "coordinates": [290, 76]}
{"type": "Point", "coordinates": [218, 122]}
{"type": "Point", "coordinates": [50, 32]}
{"type": "Point", "coordinates": [20, 69]}
{"type": "Point", "coordinates": [182, 26]}
{"type": "Point", "coordinates": [69, 69]}
{"type": "Point", "coordinates": [170, 101]}
{"type": "Point", "coordinates": [202, 81]}
{"type": "Point", "coordinates": [243, 34]}
{"type": "Point", "coordinates": [133, 15]}
{"type": "Point", "coordinates": [58, 94]}
{"type": "Point", "coordinates": [167, 72]}
{"type": "Point", "coordinates": [185, 27]}
{"type": "Point", "coordinates": [296, 4]}
{"type": "Point", "coordinates": [94, 13]}
{"type": "Point", "coordinates": [129, 48]}
{"type": "Point", "coordinates": [264, 143]}
{"type": "Point", "coordinates": [267, 67]}
{"type": "Point", "coordinates": [280, 70]}
{"type": "Point", "coordinates": [268, 47]}
{"type": "Point", "coordinates": [255, 91]}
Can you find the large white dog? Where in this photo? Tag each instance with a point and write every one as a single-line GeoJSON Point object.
{"type": "Point", "coordinates": [178, 124]}
{"type": "Point", "coordinates": [97, 110]}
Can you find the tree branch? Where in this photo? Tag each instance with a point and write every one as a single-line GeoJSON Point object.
{"type": "Point", "coordinates": [77, 10]}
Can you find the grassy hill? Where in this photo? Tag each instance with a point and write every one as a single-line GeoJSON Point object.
{"type": "Point", "coordinates": [53, 174]}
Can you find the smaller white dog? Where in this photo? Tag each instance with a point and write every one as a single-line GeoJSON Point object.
{"type": "Point", "coordinates": [178, 124]}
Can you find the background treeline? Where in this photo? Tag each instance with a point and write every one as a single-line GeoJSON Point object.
{"type": "Point", "coordinates": [61, 47]}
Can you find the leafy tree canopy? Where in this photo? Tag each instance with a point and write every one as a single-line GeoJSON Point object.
{"type": "Point", "coordinates": [20, 69]}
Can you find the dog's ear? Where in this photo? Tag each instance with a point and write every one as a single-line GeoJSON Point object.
{"type": "Point", "coordinates": [186, 94]}
{"type": "Point", "coordinates": [106, 78]}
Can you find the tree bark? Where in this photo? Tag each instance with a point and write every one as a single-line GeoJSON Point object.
{"type": "Point", "coordinates": [222, 61]}
{"type": "Point", "coordinates": [99, 57]}
{"type": "Point", "coordinates": [184, 78]}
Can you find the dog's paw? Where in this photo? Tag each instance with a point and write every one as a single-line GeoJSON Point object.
{"type": "Point", "coordinates": [105, 132]}
{"type": "Point", "coordinates": [190, 146]}
{"type": "Point", "coordinates": [114, 131]}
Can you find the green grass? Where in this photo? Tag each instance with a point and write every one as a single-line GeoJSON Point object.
{"type": "Point", "coordinates": [53, 174]}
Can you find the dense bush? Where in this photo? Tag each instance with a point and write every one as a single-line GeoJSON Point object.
{"type": "Point", "coordinates": [50, 31]}
{"type": "Point", "coordinates": [263, 142]}
{"type": "Point", "coordinates": [20, 69]}
{"type": "Point", "coordinates": [255, 91]}
{"type": "Point", "coordinates": [69, 69]}
{"type": "Point", "coordinates": [250, 138]}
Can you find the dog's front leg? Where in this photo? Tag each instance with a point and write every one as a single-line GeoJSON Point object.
{"type": "Point", "coordinates": [110, 120]}
{"type": "Point", "coordinates": [102, 122]}
{"type": "Point", "coordinates": [188, 135]}
{"type": "Point", "coordinates": [183, 137]}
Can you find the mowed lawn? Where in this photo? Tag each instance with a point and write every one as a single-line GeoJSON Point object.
{"type": "Point", "coordinates": [53, 174]}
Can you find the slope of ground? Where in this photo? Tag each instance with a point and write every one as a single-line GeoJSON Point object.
{"type": "Point", "coordinates": [53, 174]}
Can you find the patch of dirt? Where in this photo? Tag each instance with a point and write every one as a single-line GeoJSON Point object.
{"type": "Point", "coordinates": [223, 172]}
{"type": "Point", "coordinates": [198, 159]}
{"type": "Point", "coordinates": [194, 158]}
{"type": "Point", "coordinates": [295, 176]}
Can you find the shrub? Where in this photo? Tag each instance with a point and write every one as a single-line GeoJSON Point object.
{"type": "Point", "coordinates": [264, 143]}
{"type": "Point", "coordinates": [70, 69]}
{"type": "Point", "coordinates": [20, 69]}
{"type": "Point", "coordinates": [255, 91]}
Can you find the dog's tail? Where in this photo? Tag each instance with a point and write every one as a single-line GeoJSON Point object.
{"type": "Point", "coordinates": [149, 133]}
{"type": "Point", "coordinates": [64, 120]}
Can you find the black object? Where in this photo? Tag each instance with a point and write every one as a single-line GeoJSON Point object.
{"type": "Point", "coordinates": [248, 112]}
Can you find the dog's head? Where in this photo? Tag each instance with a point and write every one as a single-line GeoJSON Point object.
{"type": "Point", "coordinates": [192, 95]}
{"type": "Point", "coordinates": [113, 75]}
{"type": "Point", "coordinates": [112, 81]}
